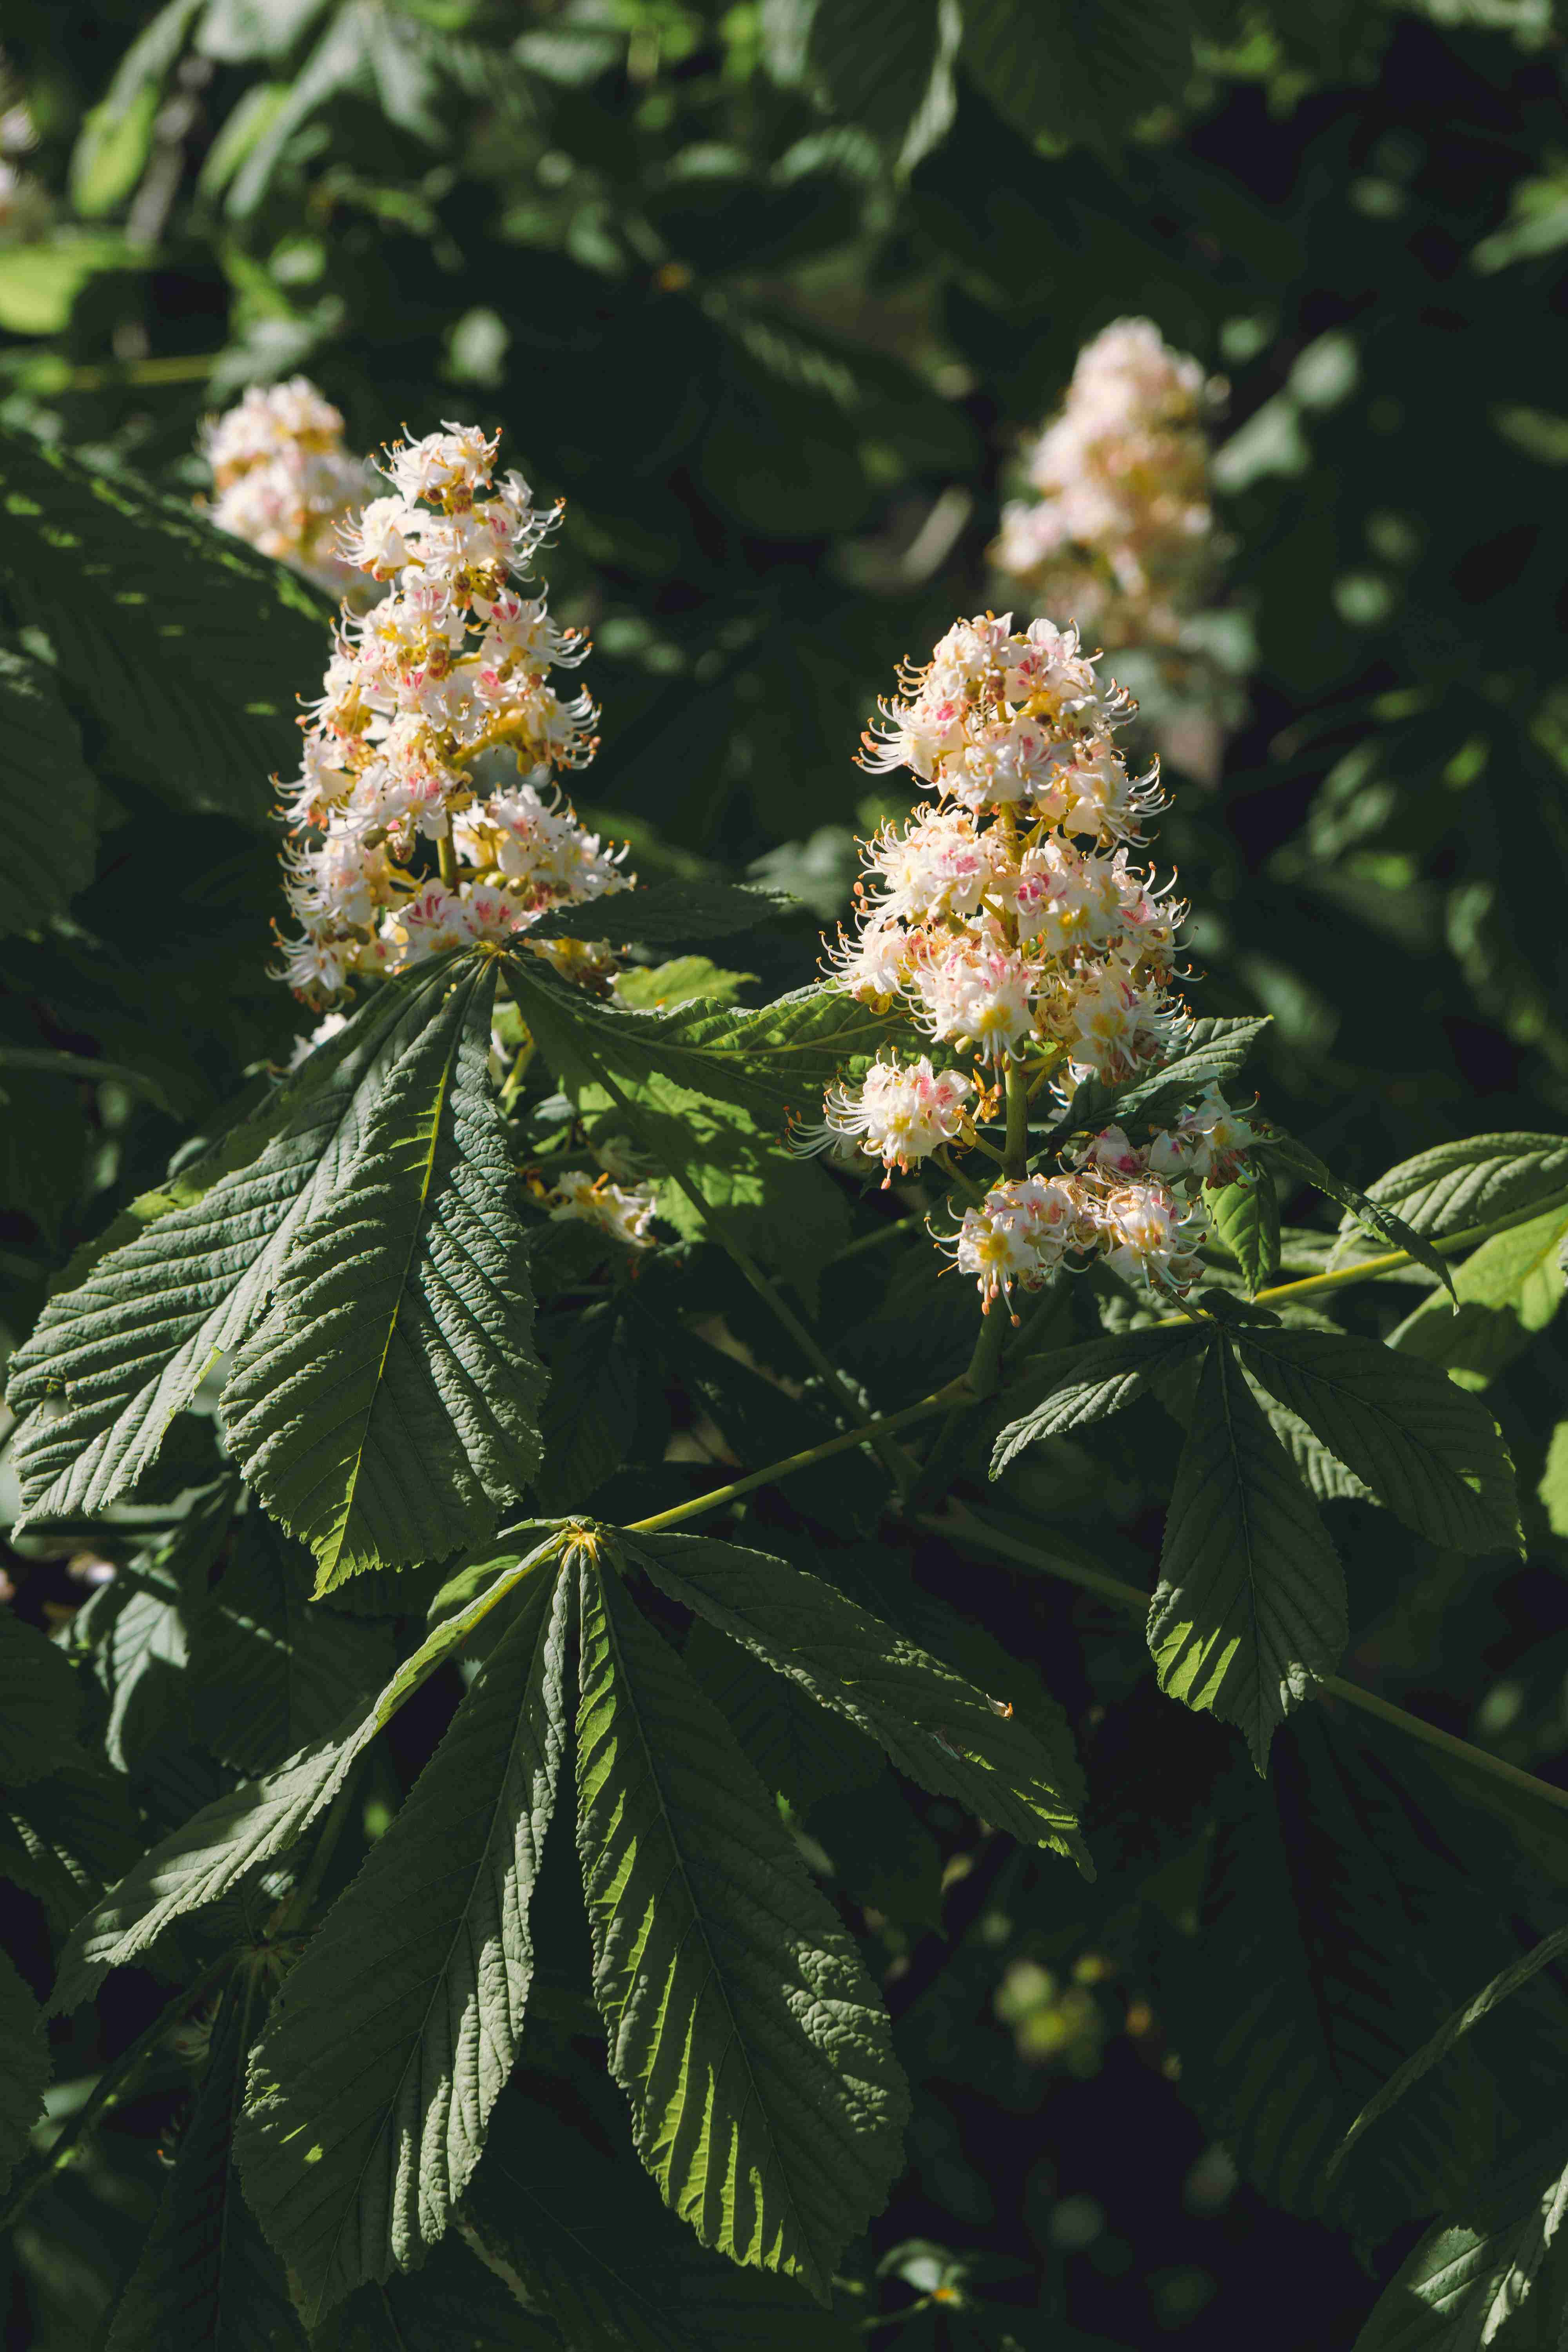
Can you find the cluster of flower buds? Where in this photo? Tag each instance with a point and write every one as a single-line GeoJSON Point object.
{"type": "Point", "coordinates": [623, 1210]}
{"type": "Point", "coordinates": [1121, 529]}
{"type": "Point", "coordinates": [1008, 919]}
{"type": "Point", "coordinates": [435, 740]}
{"type": "Point", "coordinates": [285, 483]}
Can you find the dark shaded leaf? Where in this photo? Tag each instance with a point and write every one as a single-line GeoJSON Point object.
{"type": "Point", "coordinates": [1425, 1448]}
{"type": "Point", "coordinates": [1249, 1611]}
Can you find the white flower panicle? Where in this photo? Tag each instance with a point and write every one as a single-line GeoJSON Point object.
{"type": "Point", "coordinates": [1008, 919]}
{"type": "Point", "coordinates": [1007, 915]}
{"type": "Point", "coordinates": [437, 726]}
{"type": "Point", "coordinates": [623, 1210]}
{"type": "Point", "coordinates": [284, 481]}
{"type": "Point", "coordinates": [1122, 531]}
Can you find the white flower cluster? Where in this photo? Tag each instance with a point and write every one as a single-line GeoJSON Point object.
{"type": "Point", "coordinates": [1137, 1207]}
{"type": "Point", "coordinates": [437, 730]}
{"type": "Point", "coordinates": [1122, 531]}
{"type": "Point", "coordinates": [623, 1211]}
{"type": "Point", "coordinates": [1007, 917]}
{"type": "Point", "coordinates": [285, 483]}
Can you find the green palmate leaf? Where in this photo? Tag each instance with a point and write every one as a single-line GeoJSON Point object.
{"type": "Point", "coordinates": [1325, 1475]}
{"type": "Point", "coordinates": [1083, 1384]}
{"type": "Point", "coordinates": [1329, 1916]}
{"type": "Point", "coordinates": [23, 2066]}
{"type": "Point", "coordinates": [141, 1661]}
{"type": "Point", "coordinates": [1508, 1290]}
{"type": "Point", "coordinates": [590, 1410]}
{"type": "Point", "coordinates": [51, 825]}
{"type": "Point", "coordinates": [269, 1672]}
{"type": "Point", "coordinates": [1246, 1219]}
{"type": "Point", "coordinates": [791, 1743]}
{"type": "Point", "coordinates": [114, 1359]}
{"type": "Point", "coordinates": [1284, 1152]}
{"type": "Point", "coordinates": [1249, 1611]}
{"type": "Point", "coordinates": [1429, 1452]}
{"type": "Point", "coordinates": [1064, 71]}
{"type": "Point", "coordinates": [937, 1727]}
{"type": "Point", "coordinates": [888, 65]}
{"type": "Point", "coordinates": [765, 2099]}
{"type": "Point", "coordinates": [388, 1405]}
{"type": "Point", "coordinates": [216, 1848]}
{"type": "Point", "coordinates": [666, 915]}
{"type": "Point", "coordinates": [537, 2208]}
{"type": "Point", "coordinates": [39, 1704]}
{"type": "Point", "coordinates": [185, 643]}
{"type": "Point", "coordinates": [1553, 1487]}
{"type": "Point", "coordinates": [454, 2303]}
{"type": "Point", "coordinates": [1450, 2033]}
{"type": "Point", "coordinates": [655, 988]}
{"type": "Point", "coordinates": [766, 1058]}
{"type": "Point", "coordinates": [1214, 1052]}
{"type": "Point", "coordinates": [389, 63]}
{"type": "Point", "coordinates": [373, 2085]}
{"type": "Point", "coordinates": [253, 1824]}
{"type": "Point", "coordinates": [785, 1211]}
{"type": "Point", "coordinates": [66, 1838]}
{"type": "Point", "coordinates": [1494, 2271]}
{"type": "Point", "coordinates": [1456, 1186]}
{"type": "Point", "coordinates": [206, 2274]}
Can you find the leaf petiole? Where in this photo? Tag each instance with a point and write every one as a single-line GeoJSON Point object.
{"type": "Point", "coordinates": [958, 1522]}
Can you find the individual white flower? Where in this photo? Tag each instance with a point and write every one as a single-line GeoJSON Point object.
{"type": "Point", "coordinates": [1020, 1233]}
{"type": "Point", "coordinates": [458, 458]}
{"type": "Point", "coordinates": [625, 1211]}
{"type": "Point", "coordinates": [1116, 1023]}
{"type": "Point", "coordinates": [967, 990]}
{"type": "Point", "coordinates": [379, 542]}
{"type": "Point", "coordinates": [1209, 1142]}
{"type": "Point", "coordinates": [902, 1113]}
{"type": "Point", "coordinates": [1150, 1235]}
{"type": "Point", "coordinates": [938, 865]}
{"type": "Point", "coordinates": [873, 966]}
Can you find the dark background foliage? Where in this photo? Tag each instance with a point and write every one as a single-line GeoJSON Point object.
{"type": "Point", "coordinates": [771, 302]}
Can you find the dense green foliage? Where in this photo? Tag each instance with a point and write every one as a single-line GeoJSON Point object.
{"type": "Point", "coordinates": [453, 1903]}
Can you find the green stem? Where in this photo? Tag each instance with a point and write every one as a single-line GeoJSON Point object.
{"type": "Point", "coordinates": [516, 1075]}
{"type": "Point", "coordinates": [446, 857]}
{"type": "Point", "coordinates": [108, 2090]}
{"type": "Point", "coordinates": [980, 1374]}
{"type": "Point", "coordinates": [958, 1522]}
{"type": "Point", "coordinates": [866, 1433]}
{"type": "Point", "coordinates": [1016, 1160]}
{"type": "Point", "coordinates": [1367, 1269]}
{"type": "Point", "coordinates": [892, 1231]}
